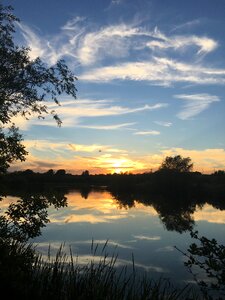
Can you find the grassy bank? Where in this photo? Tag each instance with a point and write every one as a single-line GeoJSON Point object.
{"type": "Point", "coordinates": [26, 274]}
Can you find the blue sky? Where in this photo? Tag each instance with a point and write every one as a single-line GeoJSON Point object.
{"type": "Point", "coordinates": [151, 77]}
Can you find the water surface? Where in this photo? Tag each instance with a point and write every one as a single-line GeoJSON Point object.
{"type": "Point", "coordinates": [146, 230]}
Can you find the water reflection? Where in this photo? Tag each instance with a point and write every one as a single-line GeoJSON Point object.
{"type": "Point", "coordinates": [24, 214]}
{"type": "Point", "coordinates": [175, 214]}
{"type": "Point", "coordinates": [147, 226]}
{"type": "Point", "coordinates": [27, 212]}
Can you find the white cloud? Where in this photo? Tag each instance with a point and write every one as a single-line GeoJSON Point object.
{"type": "Point", "coordinates": [108, 127]}
{"type": "Point", "coordinates": [95, 148]}
{"type": "Point", "coordinates": [72, 24]}
{"type": "Point", "coordinates": [36, 43]}
{"type": "Point", "coordinates": [177, 42]}
{"type": "Point", "coordinates": [195, 104]}
{"type": "Point", "coordinates": [98, 45]}
{"type": "Point", "coordinates": [88, 44]}
{"type": "Point", "coordinates": [147, 238]}
{"type": "Point", "coordinates": [71, 112]}
{"type": "Point", "coordinates": [161, 71]}
{"type": "Point", "coordinates": [163, 123]}
{"type": "Point", "coordinates": [151, 132]}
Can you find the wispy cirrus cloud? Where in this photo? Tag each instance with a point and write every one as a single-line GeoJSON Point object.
{"type": "Point", "coordinates": [97, 45]}
{"type": "Point", "coordinates": [176, 42]}
{"type": "Point", "coordinates": [147, 238]}
{"type": "Point", "coordinates": [71, 112]}
{"type": "Point", "coordinates": [163, 123]}
{"type": "Point", "coordinates": [188, 25]}
{"type": "Point", "coordinates": [159, 71]}
{"type": "Point", "coordinates": [88, 45]}
{"type": "Point", "coordinates": [150, 132]}
{"type": "Point", "coordinates": [60, 148]}
{"type": "Point", "coordinates": [98, 108]}
{"type": "Point", "coordinates": [195, 104]}
{"type": "Point", "coordinates": [95, 148]}
{"type": "Point", "coordinates": [108, 127]}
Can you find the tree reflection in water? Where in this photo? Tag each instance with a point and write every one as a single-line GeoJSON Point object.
{"type": "Point", "coordinates": [176, 213]}
{"type": "Point", "coordinates": [25, 218]}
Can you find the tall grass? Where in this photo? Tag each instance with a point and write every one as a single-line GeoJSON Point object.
{"type": "Point", "coordinates": [62, 278]}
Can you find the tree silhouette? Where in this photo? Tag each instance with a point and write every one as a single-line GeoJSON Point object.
{"type": "Point", "coordinates": [60, 172]}
{"type": "Point", "coordinates": [177, 163]}
{"type": "Point", "coordinates": [205, 260]}
{"type": "Point", "coordinates": [11, 148]}
{"type": "Point", "coordinates": [25, 85]}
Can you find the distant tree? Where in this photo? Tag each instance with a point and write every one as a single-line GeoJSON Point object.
{"type": "Point", "coordinates": [85, 173]}
{"type": "Point", "coordinates": [60, 172]}
{"type": "Point", "coordinates": [177, 163]}
{"type": "Point", "coordinates": [219, 173]}
{"type": "Point", "coordinates": [25, 85]}
{"type": "Point", "coordinates": [28, 172]}
{"type": "Point", "coordinates": [50, 172]}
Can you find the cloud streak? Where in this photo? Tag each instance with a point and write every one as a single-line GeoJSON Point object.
{"type": "Point", "coordinates": [195, 104]}
{"type": "Point", "coordinates": [151, 132]}
{"type": "Point", "coordinates": [108, 127]}
{"type": "Point", "coordinates": [88, 47]}
{"type": "Point", "coordinates": [158, 71]}
{"type": "Point", "coordinates": [71, 112]}
{"type": "Point", "coordinates": [179, 42]}
{"type": "Point", "coordinates": [163, 123]}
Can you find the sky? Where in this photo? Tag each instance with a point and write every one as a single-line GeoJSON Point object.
{"type": "Point", "coordinates": [151, 78]}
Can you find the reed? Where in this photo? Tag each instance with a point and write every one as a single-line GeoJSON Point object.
{"type": "Point", "coordinates": [62, 277]}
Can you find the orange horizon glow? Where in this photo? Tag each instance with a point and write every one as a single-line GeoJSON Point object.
{"type": "Point", "coordinates": [45, 155]}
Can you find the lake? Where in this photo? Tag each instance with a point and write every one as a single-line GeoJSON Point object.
{"type": "Point", "coordinates": [146, 230]}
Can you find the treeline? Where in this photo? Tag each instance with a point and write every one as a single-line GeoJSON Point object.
{"type": "Point", "coordinates": [163, 181]}
{"type": "Point", "coordinates": [174, 195]}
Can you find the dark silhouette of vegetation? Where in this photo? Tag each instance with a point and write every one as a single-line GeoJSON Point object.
{"type": "Point", "coordinates": [177, 163]}
{"type": "Point", "coordinates": [24, 274]}
{"type": "Point", "coordinates": [174, 195]}
{"type": "Point", "coordinates": [206, 262]}
{"type": "Point", "coordinates": [25, 85]}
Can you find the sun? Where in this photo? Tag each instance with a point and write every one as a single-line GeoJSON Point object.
{"type": "Point", "coordinates": [117, 167]}
{"type": "Point", "coordinates": [117, 171]}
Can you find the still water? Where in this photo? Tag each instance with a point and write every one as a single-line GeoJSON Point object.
{"type": "Point", "coordinates": [148, 232]}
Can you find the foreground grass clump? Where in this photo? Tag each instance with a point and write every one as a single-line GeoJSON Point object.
{"type": "Point", "coordinates": [25, 274]}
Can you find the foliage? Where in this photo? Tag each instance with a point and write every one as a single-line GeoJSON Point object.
{"type": "Point", "coordinates": [25, 87]}
{"type": "Point", "coordinates": [16, 260]}
{"type": "Point", "coordinates": [209, 257]}
{"type": "Point", "coordinates": [11, 148]}
{"type": "Point", "coordinates": [85, 173]}
{"type": "Point", "coordinates": [177, 163]}
{"type": "Point", "coordinates": [63, 278]}
{"type": "Point", "coordinates": [25, 218]}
